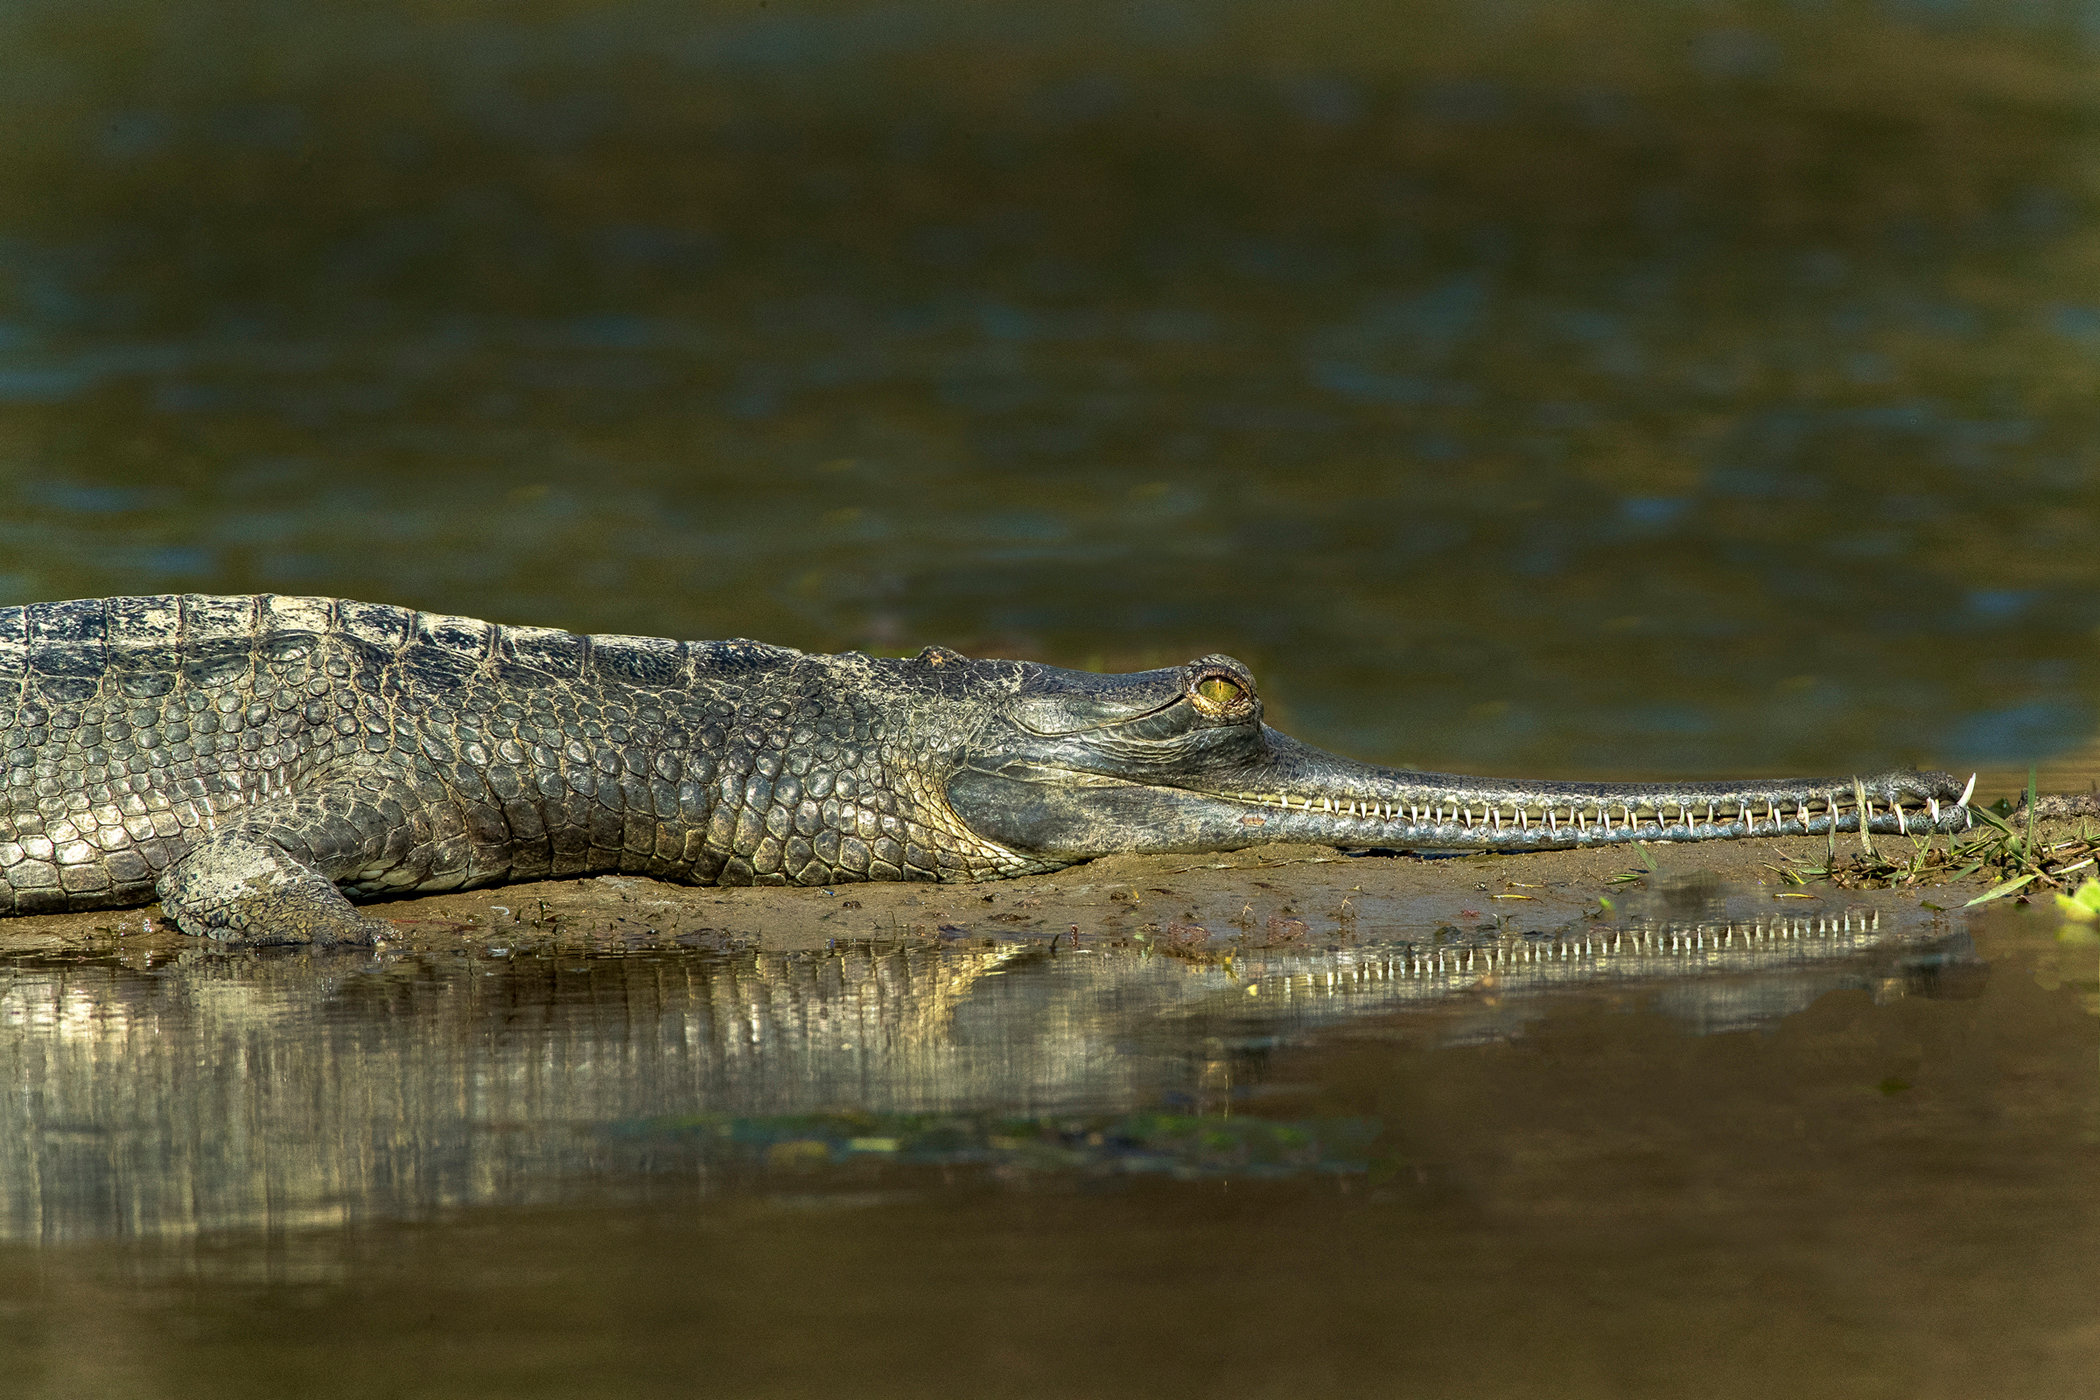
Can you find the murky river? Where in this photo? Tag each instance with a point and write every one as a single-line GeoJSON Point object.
{"type": "Point", "coordinates": [1563, 389]}
{"type": "Point", "coordinates": [1843, 1154]}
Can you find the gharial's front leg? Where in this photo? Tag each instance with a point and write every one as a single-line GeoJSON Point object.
{"type": "Point", "coordinates": [268, 875]}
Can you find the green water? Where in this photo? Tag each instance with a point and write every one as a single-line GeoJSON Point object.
{"type": "Point", "coordinates": [1565, 389]}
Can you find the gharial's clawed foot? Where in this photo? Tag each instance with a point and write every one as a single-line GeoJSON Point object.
{"type": "Point", "coordinates": [246, 889]}
{"type": "Point", "coordinates": [298, 928]}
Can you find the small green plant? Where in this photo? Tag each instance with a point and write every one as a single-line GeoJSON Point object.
{"type": "Point", "coordinates": [2004, 848]}
{"type": "Point", "coordinates": [2083, 903]}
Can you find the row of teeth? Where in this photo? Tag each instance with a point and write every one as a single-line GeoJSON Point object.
{"type": "Point", "coordinates": [1517, 816]}
{"type": "Point", "coordinates": [1668, 939]}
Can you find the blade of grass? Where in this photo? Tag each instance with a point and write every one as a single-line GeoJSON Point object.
{"type": "Point", "coordinates": [2001, 891]}
{"type": "Point", "coordinates": [1991, 818]}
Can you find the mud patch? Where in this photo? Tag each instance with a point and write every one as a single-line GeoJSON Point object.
{"type": "Point", "coordinates": [1197, 907]}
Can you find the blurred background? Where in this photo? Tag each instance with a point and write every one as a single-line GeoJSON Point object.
{"type": "Point", "coordinates": [1534, 387]}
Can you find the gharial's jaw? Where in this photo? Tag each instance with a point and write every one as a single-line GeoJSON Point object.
{"type": "Point", "coordinates": [1276, 789]}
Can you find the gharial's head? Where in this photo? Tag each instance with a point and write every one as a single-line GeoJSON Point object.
{"type": "Point", "coordinates": [1071, 764]}
{"type": "Point", "coordinates": [1064, 765]}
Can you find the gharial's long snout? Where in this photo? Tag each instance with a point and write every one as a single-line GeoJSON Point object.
{"type": "Point", "coordinates": [1321, 797]}
{"type": "Point", "coordinates": [1197, 770]}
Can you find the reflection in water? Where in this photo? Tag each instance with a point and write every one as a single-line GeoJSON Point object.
{"type": "Point", "coordinates": [220, 1092]}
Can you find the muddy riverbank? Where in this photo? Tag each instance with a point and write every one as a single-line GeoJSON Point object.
{"type": "Point", "coordinates": [1198, 907]}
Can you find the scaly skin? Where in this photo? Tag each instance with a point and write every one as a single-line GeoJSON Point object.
{"type": "Point", "coordinates": [249, 760]}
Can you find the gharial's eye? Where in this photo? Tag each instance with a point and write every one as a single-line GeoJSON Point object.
{"type": "Point", "coordinates": [1217, 696]}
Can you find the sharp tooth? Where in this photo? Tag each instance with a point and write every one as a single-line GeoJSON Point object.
{"type": "Point", "coordinates": [1932, 805]}
{"type": "Point", "coordinates": [1968, 792]}
{"type": "Point", "coordinates": [1496, 812]}
{"type": "Point", "coordinates": [1551, 824]}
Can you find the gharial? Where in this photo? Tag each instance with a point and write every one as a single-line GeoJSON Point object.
{"type": "Point", "coordinates": [252, 761]}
